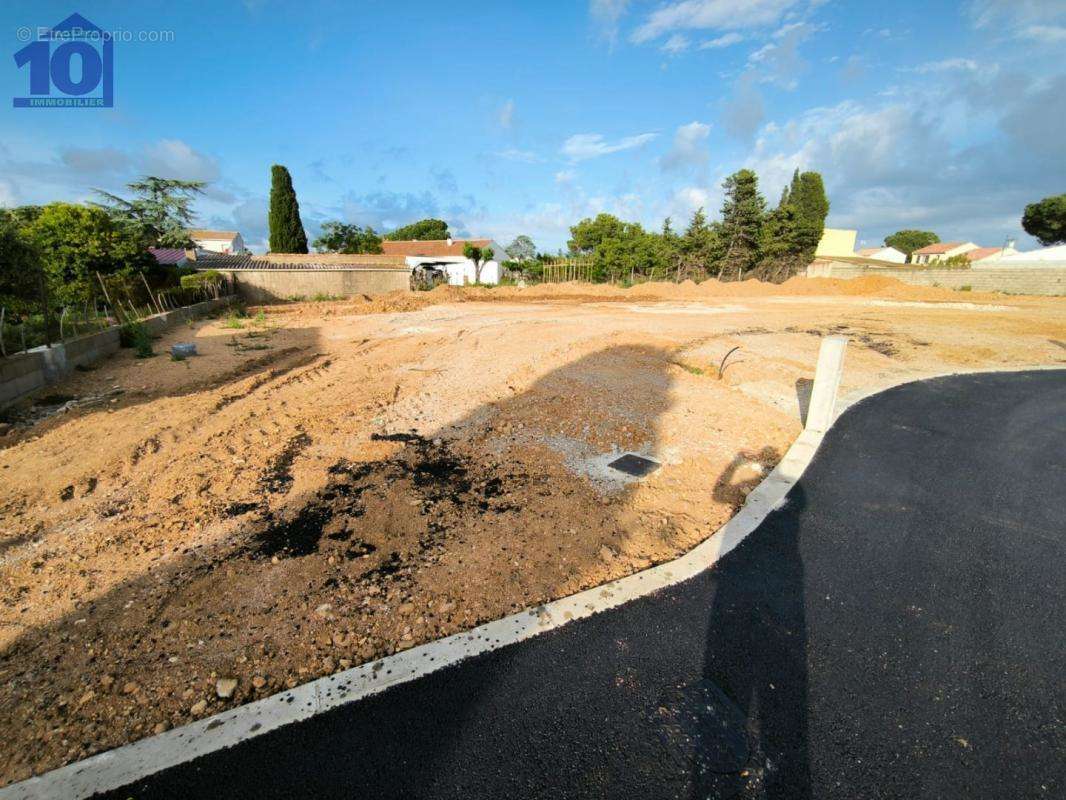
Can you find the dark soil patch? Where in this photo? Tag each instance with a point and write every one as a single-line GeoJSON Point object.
{"type": "Point", "coordinates": [278, 477]}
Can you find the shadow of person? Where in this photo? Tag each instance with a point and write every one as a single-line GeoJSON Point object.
{"type": "Point", "coordinates": [754, 687]}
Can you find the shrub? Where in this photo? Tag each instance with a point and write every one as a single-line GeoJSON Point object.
{"type": "Point", "coordinates": [135, 335]}
{"type": "Point", "coordinates": [198, 279]}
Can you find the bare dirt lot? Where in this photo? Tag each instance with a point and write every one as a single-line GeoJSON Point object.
{"type": "Point", "coordinates": [333, 482]}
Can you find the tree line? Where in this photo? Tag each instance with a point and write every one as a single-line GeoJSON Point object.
{"type": "Point", "coordinates": [749, 241]}
{"type": "Point", "coordinates": [51, 255]}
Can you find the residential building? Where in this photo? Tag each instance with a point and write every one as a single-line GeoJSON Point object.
{"type": "Point", "coordinates": [226, 242]}
{"type": "Point", "coordinates": [989, 254]}
{"type": "Point", "coordinates": [941, 251]}
{"type": "Point", "coordinates": [836, 242]}
{"type": "Point", "coordinates": [1051, 256]}
{"type": "Point", "coordinates": [883, 253]}
{"type": "Point", "coordinates": [447, 256]}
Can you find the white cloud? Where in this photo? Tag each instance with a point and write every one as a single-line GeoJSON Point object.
{"type": "Point", "coordinates": [1047, 34]}
{"type": "Point", "coordinates": [711, 15]}
{"type": "Point", "coordinates": [898, 163]}
{"type": "Point", "coordinates": [676, 44]}
{"type": "Point", "coordinates": [989, 13]}
{"type": "Point", "coordinates": [689, 150]}
{"type": "Point", "coordinates": [516, 154]}
{"type": "Point", "coordinates": [94, 159]}
{"type": "Point", "coordinates": [505, 116]}
{"type": "Point", "coordinates": [565, 176]}
{"type": "Point", "coordinates": [779, 61]}
{"type": "Point", "coordinates": [725, 40]}
{"type": "Point", "coordinates": [946, 65]}
{"type": "Point", "coordinates": [606, 16]}
{"type": "Point", "coordinates": [173, 158]}
{"type": "Point", "coordinates": [582, 146]}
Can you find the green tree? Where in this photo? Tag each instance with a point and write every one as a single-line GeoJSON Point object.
{"type": "Point", "coordinates": [20, 269]}
{"type": "Point", "coordinates": [742, 218]}
{"type": "Point", "coordinates": [587, 235]}
{"type": "Point", "coordinates": [160, 212]}
{"type": "Point", "coordinates": [340, 237]}
{"type": "Point", "coordinates": [521, 249]}
{"type": "Point", "coordinates": [907, 241]}
{"type": "Point", "coordinates": [1046, 220]}
{"type": "Point", "coordinates": [286, 230]}
{"type": "Point", "coordinates": [75, 242]}
{"type": "Point", "coordinates": [807, 196]}
{"type": "Point", "coordinates": [700, 247]}
{"type": "Point", "coordinates": [779, 256]}
{"type": "Point", "coordinates": [647, 255]}
{"type": "Point", "coordinates": [480, 256]}
{"type": "Point", "coordinates": [424, 230]}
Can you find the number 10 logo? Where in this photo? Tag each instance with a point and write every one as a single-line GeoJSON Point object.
{"type": "Point", "coordinates": [80, 65]}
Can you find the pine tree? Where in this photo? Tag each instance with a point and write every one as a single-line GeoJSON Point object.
{"type": "Point", "coordinates": [286, 230]}
{"type": "Point", "coordinates": [742, 219]}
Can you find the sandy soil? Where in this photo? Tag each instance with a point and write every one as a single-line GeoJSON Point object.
{"type": "Point", "coordinates": [333, 482]}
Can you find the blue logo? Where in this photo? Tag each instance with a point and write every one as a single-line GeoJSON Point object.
{"type": "Point", "coordinates": [71, 65]}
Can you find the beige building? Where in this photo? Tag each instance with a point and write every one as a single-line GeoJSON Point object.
{"type": "Point", "coordinates": [836, 242]}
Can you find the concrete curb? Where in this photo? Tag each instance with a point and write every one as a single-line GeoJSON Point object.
{"type": "Point", "coordinates": [124, 765]}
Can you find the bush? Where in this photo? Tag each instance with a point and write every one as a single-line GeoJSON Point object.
{"type": "Point", "coordinates": [198, 279]}
{"type": "Point", "coordinates": [135, 335]}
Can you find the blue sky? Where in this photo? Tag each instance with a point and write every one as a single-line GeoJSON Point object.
{"type": "Point", "coordinates": [510, 118]}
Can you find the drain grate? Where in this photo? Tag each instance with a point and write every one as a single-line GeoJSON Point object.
{"type": "Point", "coordinates": [632, 464]}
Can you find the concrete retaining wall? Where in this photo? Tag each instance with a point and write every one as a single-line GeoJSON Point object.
{"type": "Point", "coordinates": [276, 285]}
{"type": "Point", "coordinates": [1021, 279]}
{"type": "Point", "coordinates": [25, 373]}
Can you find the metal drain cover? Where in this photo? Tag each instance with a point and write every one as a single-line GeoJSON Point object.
{"type": "Point", "coordinates": [632, 464]}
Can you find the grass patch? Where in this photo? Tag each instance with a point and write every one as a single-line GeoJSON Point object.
{"type": "Point", "coordinates": [233, 322]}
{"type": "Point", "coordinates": [966, 288]}
{"type": "Point", "coordinates": [688, 368]}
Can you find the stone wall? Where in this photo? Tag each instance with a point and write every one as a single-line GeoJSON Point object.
{"type": "Point", "coordinates": [1019, 279]}
{"type": "Point", "coordinates": [23, 374]}
{"type": "Point", "coordinates": [277, 285]}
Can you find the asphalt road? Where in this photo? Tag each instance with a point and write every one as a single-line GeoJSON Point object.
{"type": "Point", "coordinates": [895, 630]}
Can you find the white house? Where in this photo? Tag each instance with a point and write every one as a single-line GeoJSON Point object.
{"type": "Point", "coordinates": [941, 251]}
{"type": "Point", "coordinates": [890, 254]}
{"type": "Point", "coordinates": [227, 242]}
{"type": "Point", "coordinates": [1055, 255]}
{"type": "Point", "coordinates": [447, 255]}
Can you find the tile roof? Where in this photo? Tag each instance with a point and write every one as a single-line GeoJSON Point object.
{"type": "Point", "coordinates": [937, 249]}
{"type": "Point", "coordinates": [431, 247]}
{"type": "Point", "coordinates": [298, 261]}
{"type": "Point", "coordinates": [202, 233]}
{"type": "Point", "coordinates": [168, 255]}
{"type": "Point", "coordinates": [982, 252]}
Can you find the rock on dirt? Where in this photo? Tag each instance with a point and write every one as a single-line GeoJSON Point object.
{"type": "Point", "coordinates": [225, 687]}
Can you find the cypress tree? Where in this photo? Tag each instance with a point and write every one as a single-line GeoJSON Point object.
{"type": "Point", "coordinates": [812, 207]}
{"type": "Point", "coordinates": [286, 230]}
